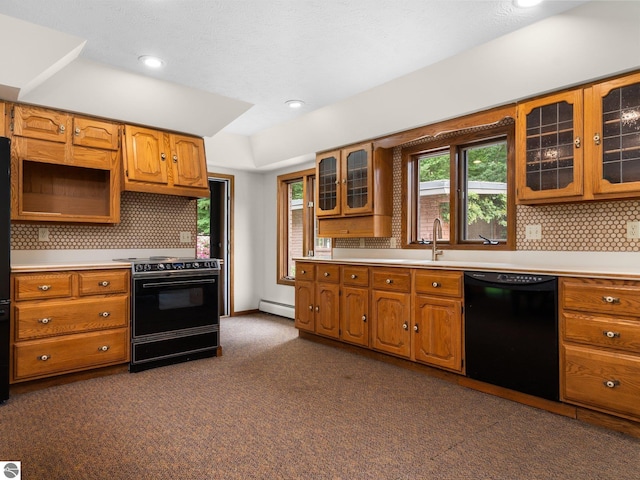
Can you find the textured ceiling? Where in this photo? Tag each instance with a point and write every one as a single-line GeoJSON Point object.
{"type": "Point", "coordinates": [268, 51]}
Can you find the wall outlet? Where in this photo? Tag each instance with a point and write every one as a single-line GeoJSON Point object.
{"type": "Point", "coordinates": [534, 232]}
{"type": "Point", "coordinates": [185, 237]}
{"type": "Point", "coordinates": [393, 242]}
{"type": "Point", "coordinates": [361, 242]}
{"type": "Point", "coordinates": [43, 234]}
{"type": "Point", "coordinates": [633, 230]}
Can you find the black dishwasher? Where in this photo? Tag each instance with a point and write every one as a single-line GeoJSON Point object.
{"type": "Point", "coordinates": [511, 331]}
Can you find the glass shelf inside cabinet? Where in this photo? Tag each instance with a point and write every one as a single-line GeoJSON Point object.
{"type": "Point", "coordinates": [621, 134]}
{"type": "Point", "coordinates": [549, 155]}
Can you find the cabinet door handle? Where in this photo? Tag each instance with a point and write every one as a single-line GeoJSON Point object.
{"type": "Point", "coordinates": [163, 156]}
{"type": "Point", "coordinates": [104, 283]}
{"type": "Point", "coordinates": [317, 308]}
{"type": "Point", "coordinates": [45, 320]}
{"type": "Point", "coordinates": [175, 159]}
{"type": "Point", "coordinates": [435, 284]}
{"type": "Point", "coordinates": [415, 328]}
{"type": "Point", "coordinates": [104, 314]}
{"type": "Point", "coordinates": [44, 288]}
{"type": "Point", "coordinates": [577, 142]}
{"type": "Point", "coordinates": [389, 281]}
{"type": "Point", "coordinates": [311, 307]}
{"type": "Point", "coordinates": [611, 299]}
{"type": "Point", "coordinates": [611, 383]}
{"type": "Point", "coordinates": [405, 326]}
{"type": "Point", "coordinates": [610, 334]}
{"type": "Point", "coordinates": [44, 358]}
{"type": "Point", "coordinates": [354, 276]}
{"type": "Point", "coordinates": [77, 131]}
{"type": "Point", "coordinates": [62, 128]}
{"type": "Point", "coordinates": [103, 348]}
{"type": "Point", "coordinates": [596, 139]}
{"type": "Point", "coordinates": [364, 318]}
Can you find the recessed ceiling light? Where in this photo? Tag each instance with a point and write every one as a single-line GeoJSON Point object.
{"type": "Point", "coordinates": [294, 103]}
{"type": "Point", "coordinates": [150, 61]}
{"type": "Point", "coordinates": [526, 3]}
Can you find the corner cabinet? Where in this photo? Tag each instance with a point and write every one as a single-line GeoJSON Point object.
{"type": "Point", "coordinates": [353, 193]}
{"type": "Point", "coordinates": [580, 145]}
{"type": "Point", "coordinates": [162, 162]}
{"type": "Point", "coordinates": [65, 168]}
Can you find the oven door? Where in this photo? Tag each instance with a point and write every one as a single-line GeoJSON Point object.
{"type": "Point", "coordinates": [173, 303]}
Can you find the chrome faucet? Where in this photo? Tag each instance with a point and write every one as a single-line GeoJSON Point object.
{"type": "Point", "coordinates": [437, 233]}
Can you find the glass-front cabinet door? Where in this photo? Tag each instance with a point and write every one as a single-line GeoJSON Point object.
{"type": "Point", "coordinates": [328, 184]}
{"type": "Point", "coordinates": [357, 180]}
{"type": "Point", "coordinates": [613, 125]}
{"type": "Point", "coordinates": [550, 147]}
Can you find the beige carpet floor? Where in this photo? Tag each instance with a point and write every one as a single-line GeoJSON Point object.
{"type": "Point", "coordinates": [278, 407]}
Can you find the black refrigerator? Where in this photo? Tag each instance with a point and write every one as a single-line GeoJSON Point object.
{"type": "Point", "coordinates": [5, 264]}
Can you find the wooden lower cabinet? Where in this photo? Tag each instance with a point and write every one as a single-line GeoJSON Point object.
{"type": "Point", "coordinates": [318, 302]}
{"type": "Point", "coordinates": [305, 304]}
{"type": "Point", "coordinates": [68, 321]}
{"type": "Point", "coordinates": [327, 309]}
{"type": "Point", "coordinates": [437, 332]}
{"type": "Point", "coordinates": [390, 316]}
{"type": "Point", "coordinates": [354, 315]}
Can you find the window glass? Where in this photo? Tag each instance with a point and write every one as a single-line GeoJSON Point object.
{"type": "Point", "coordinates": [295, 225]}
{"type": "Point", "coordinates": [485, 209]}
{"type": "Point", "coordinates": [433, 194]}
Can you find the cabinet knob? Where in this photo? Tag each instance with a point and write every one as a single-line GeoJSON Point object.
{"type": "Point", "coordinates": [326, 274]}
{"type": "Point", "coordinates": [596, 139]}
{"type": "Point", "coordinates": [302, 272]}
{"type": "Point", "coordinates": [317, 308]}
{"type": "Point", "coordinates": [311, 307]}
{"type": "Point", "coordinates": [364, 318]}
{"type": "Point", "coordinates": [435, 284]}
{"type": "Point", "coordinates": [104, 283]}
{"type": "Point", "coordinates": [44, 358]}
{"type": "Point", "coordinates": [415, 328]}
{"type": "Point", "coordinates": [354, 276]}
{"type": "Point", "coordinates": [611, 299]}
{"type": "Point", "coordinates": [577, 142]}
{"type": "Point", "coordinates": [175, 159]}
{"type": "Point", "coordinates": [104, 314]}
{"type": "Point", "coordinates": [103, 348]}
{"type": "Point", "coordinates": [611, 383]}
{"type": "Point", "coordinates": [44, 288]}
{"type": "Point", "coordinates": [163, 156]}
{"type": "Point", "coordinates": [389, 281]}
{"type": "Point", "coordinates": [45, 320]}
{"type": "Point", "coordinates": [405, 326]}
{"type": "Point", "coordinates": [337, 182]}
{"type": "Point", "coordinates": [610, 334]}
{"type": "Point", "coordinates": [62, 128]}
{"type": "Point", "coordinates": [77, 131]}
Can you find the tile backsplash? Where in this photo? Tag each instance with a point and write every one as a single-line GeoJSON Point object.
{"type": "Point", "coordinates": [146, 221]}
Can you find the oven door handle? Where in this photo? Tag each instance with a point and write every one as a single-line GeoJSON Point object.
{"type": "Point", "coordinates": [178, 283]}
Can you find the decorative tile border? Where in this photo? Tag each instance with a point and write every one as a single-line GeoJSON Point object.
{"type": "Point", "coordinates": [146, 221]}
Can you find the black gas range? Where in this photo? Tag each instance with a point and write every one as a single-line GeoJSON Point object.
{"type": "Point", "coordinates": [174, 310]}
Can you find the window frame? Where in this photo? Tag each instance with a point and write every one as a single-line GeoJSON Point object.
{"type": "Point", "coordinates": [307, 177]}
{"type": "Point", "coordinates": [455, 142]}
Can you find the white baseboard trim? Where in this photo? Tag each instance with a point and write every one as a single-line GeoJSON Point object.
{"type": "Point", "coordinates": [276, 308]}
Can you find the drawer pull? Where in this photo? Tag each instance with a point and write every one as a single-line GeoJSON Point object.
{"type": "Point", "coordinates": [389, 281]}
{"type": "Point", "coordinates": [435, 284]}
{"type": "Point", "coordinates": [405, 326]}
{"type": "Point", "coordinates": [104, 314]}
{"type": "Point", "coordinates": [103, 348]}
{"type": "Point", "coordinates": [302, 272]}
{"type": "Point", "coordinates": [326, 274]}
{"type": "Point", "coordinates": [44, 288]}
{"type": "Point", "coordinates": [611, 383]}
{"type": "Point", "coordinates": [364, 318]}
{"type": "Point", "coordinates": [354, 276]}
{"type": "Point", "coordinates": [44, 358]}
{"type": "Point", "coordinates": [44, 321]}
{"type": "Point", "coordinates": [611, 299]}
{"type": "Point", "coordinates": [104, 283]}
{"type": "Point", "coordinates": [611, 334]}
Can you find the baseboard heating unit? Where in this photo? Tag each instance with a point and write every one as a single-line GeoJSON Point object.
{"type": "Point", "coordinates": [277, 308]}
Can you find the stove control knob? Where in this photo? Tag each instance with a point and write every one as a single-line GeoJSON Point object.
{"type": "Point", "coordinates": [196, 265]}
{"type": "Point", "coordinates": [167, 266]}
{"type": "Point", "coordinates": [160, 266]}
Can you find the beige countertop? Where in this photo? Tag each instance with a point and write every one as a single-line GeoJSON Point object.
{"type": "Point", "coordinates": [67, 265]}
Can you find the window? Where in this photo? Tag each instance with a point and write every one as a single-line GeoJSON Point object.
{"type": "Point", "coordinates": [465, 181]}
{"type": "Point", "coordinates": [296, 223]}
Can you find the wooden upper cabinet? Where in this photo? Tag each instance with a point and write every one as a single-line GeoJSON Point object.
{"type": "Point", "coordinates": [162, 162]}
{"type": "Point", "coordinates": [3, 121]}
{"type": "Point", "coordinates": [580, 145]}
{"type": "Point", "coordinates": [354, 192]}
{"type": "Point", "coordinates": [613, 136]}
{"type": "Point", "coordinates": [89, 132]}
{"type": "Point", "coordinates": [550, 148]}
{"type": "Point", "coordinates": [41, 123]}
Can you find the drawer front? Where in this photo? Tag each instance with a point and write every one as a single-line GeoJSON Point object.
{"type": "Point", "coordinates": [41, 123]}
{"type": "Point", "coordinates": [305, 271]}
{"type": "Point", "coordinates": [393, 279]}
{"type": "Point", "coordinates": [103, 282]}
{"type": "Point", "coordinates": [439, 283]}
{"type": "Point", "coordinates": [618, 333]}
{"type": "Point", "coordinates": [587, 372]}
{"type": "Point", "coordinates": [328, 273]}
{"type": "Point", "coordinates": [41, 286]}
{"type": "Point", "coordinates": [358, 276]}
{"type": "Point", "coordinates": [45, 319]}
{"type": "Point", "coordinates": [70, 353]}
{"type": "Point", "coordinates": [94, 133]}
{"type": "Point", "coordinates": [603, 296]}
